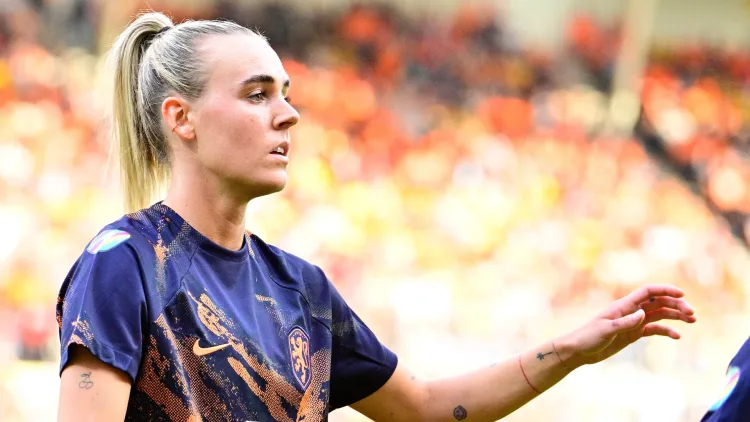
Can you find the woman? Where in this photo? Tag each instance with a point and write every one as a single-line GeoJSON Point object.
{"type": "Point", "coordinates": [175, 312]}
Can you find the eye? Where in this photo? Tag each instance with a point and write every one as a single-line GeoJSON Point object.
{"type": "Point", "coordinates": [257, 97]}
{"type": "Point", "coordinates": [288, 99]}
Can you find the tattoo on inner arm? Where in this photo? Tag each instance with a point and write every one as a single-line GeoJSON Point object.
{"type": "Point", "coordinates": [86, 382]}
{"type": "Point", "coordinates": [459, 413]}
{"type": "Point", "coordinates": [541, 356]}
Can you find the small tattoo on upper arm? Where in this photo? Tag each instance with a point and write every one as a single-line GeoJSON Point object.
{"type": "Point", "coordinates": [459, 413]}
{"type": "Point", "coordinates": [413, 377]}
{"type": "Point", "coordinates": [86, 382]}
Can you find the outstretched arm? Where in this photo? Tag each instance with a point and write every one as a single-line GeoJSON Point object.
{"type": "Point", "coordinates": [494, 392]}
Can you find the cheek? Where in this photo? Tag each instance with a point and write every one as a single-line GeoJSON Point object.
{"type": "Point", "coordinates": [233, 129]}
{"type": "Point", "coordinates": [245, 132]}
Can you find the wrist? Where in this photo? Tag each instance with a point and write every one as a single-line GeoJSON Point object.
{"type": "Point", "coordinates": [566, 353]}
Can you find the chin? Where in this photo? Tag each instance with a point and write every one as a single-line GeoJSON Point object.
{"type": "Point", "coordinates": [269, 186]}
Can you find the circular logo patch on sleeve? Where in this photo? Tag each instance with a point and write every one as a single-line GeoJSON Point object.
{"type": "Point", "coordinates": [731, 380]}
{"type": "Point", "coordinates": [107, 240]}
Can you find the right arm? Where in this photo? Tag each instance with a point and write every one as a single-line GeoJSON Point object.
{"type": "Point", "coordinates": [101, 312]}
{"type": "Point", "coordinates": [91, 390]}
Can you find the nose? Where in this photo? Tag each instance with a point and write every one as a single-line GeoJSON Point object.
{"type": "Point", "coordinates": [286, 117]}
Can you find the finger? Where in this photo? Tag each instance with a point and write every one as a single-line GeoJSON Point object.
{"type": "Point", "coordinates": [666, 313]}
{"type": "Point", "coordinates": [659, 330]}
{"type": "Point", "coordinates": [652, 290]}
{"type": "Point", "coordinates": [659, 302]}
{"type": "Point", "coordinates": [626, 323]}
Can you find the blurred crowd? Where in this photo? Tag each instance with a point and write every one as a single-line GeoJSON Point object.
{"type": "Point", "coordinates": [696, 114]}
{"type": "Point", "coordinates": [451, 183]}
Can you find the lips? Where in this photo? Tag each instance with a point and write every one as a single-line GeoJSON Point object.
{"type": "Point", "coordinates": [281, 149]}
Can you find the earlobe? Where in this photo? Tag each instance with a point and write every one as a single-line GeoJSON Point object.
{"type": "Point", "coordinates": [184, 131]}
{"type": "Point", "coordinates": [188, 128]}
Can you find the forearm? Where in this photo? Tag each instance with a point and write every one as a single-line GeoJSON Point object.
{"type": "Point", "coordinates": [492, 393]}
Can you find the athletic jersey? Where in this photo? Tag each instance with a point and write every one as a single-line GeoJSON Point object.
{"type": "Point", "coordinates": [733, 402]}
{"type": "Point", "coordinates": [207, 333]}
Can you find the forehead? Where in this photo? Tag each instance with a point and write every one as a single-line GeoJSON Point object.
{"type": "Point", "coordinates": [233, 58]}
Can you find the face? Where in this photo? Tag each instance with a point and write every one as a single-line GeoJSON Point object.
{"type": "Point", "coordinates": [242, 120]}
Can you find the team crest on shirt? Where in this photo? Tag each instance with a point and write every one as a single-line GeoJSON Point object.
{"type": "Point", "coordinates": [299, 352]}
{"type": "Point", "coordinates": [730, 383]}
{"type": "Point", "coordinates": [107, 240]}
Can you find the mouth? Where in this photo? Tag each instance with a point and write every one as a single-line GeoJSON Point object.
{"type": "Point", "coordinates": [281, 149]}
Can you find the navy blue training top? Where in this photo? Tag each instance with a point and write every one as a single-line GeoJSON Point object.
{"type": "Point", "coordinates": [206, 333]}
{"type": "Point", "coordinates": [733, 402]}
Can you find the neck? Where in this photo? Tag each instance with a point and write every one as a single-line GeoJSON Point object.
{"type": "Point", "coordinates": [219, 217]}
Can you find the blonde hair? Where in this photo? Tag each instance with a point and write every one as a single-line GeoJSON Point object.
{"type": "Point", "coordinates": [152, 59]}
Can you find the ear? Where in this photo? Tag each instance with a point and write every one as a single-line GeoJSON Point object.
{"type": "Point", "coordinates": [174, 113]}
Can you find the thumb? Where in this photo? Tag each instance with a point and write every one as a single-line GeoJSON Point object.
{"type": "Point", "coordinates": [628, 322]}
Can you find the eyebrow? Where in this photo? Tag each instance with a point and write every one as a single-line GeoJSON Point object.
{"type": "Point", "coordinates": [263, 79]}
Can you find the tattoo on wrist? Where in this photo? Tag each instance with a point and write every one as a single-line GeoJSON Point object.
{"type": "Point", "coordinates": [459, 413]}
{"type": "Point", "coordinates": [86, 382]}
{"type": "Point", "coordinates": [541, 355]}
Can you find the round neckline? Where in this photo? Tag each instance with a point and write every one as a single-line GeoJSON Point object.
{"type": "Point", "coordinates": [204, 243]}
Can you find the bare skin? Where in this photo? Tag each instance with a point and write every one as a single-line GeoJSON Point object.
{"type": "Point", "coordinates": [91, 390]}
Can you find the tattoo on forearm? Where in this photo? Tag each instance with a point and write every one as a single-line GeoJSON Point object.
{"type": "Point", "coordinates": [459, 413]}
{"type": "Point", "coordinates": [541, 355]}
{"type": "Point", "coordinates": [86, 382]}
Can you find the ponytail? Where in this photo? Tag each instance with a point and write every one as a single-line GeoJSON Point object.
{"type": "Point", "coordinates": [140, 170]}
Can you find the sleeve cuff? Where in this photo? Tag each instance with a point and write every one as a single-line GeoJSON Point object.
{"type": "Point", "coordinates": [104, 353]}
{"type": "Point", "coordinates": [379, 373]}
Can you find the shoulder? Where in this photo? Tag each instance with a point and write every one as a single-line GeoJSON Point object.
{"type": "Point", "coordinates": [125, 238]}
{"type": "Point", "coordinates": [732, 400]}
{"type": "Point", "coordinates": [115, 255]}
{"type": "Point", "coordinates": [285, 265]}
{"type": "Point", "coordinates": [291, 271]}
{"type": "Point", "coordinates": [743, 354]}
{"type": "Point", "coordinates": [127, 253]}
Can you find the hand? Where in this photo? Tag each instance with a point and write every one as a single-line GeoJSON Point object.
{"type": "Point", "coordinates": [624, 322]}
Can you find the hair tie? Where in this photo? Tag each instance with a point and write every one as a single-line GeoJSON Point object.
{"type": "Point", "coordinates": [163, 30]}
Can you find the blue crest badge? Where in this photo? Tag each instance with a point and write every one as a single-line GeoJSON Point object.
{"type": "Point", "coordinates": [299, 352]}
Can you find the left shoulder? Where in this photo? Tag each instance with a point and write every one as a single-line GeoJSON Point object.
{"type": "Point", "coordinates": [283, 263]}
{"type": "Point", "coordinates": [291, 271]}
